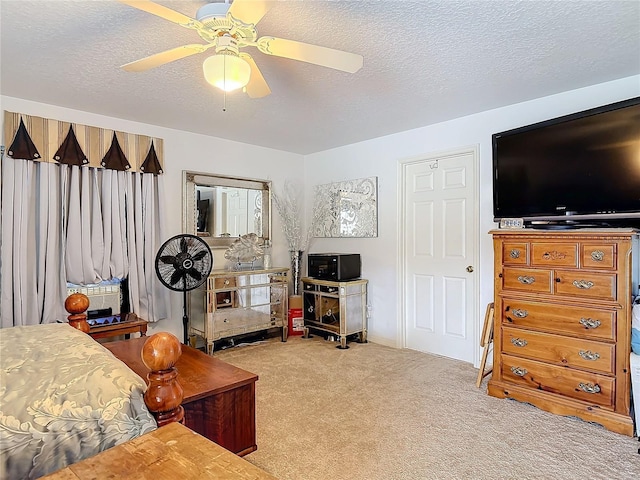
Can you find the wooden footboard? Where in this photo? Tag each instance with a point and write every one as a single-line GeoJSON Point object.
{"type": "Point", "coordinates": [160, 353]}
{"type": "Point", "coordinates": [77, 304]}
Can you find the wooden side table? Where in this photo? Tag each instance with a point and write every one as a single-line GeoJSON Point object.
{"type": "Point", "coordinates": [131, 324]}
{"type": "Point", "coordinates": [170, 452]}
{"type": "Point", "coordinates": [219, 399]}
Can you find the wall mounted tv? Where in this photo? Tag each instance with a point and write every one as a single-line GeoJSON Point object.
{"type": "Point", "coordinates": [578, 170]}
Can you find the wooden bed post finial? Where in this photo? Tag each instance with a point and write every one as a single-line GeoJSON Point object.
{"type": "Point", "coordinates": [164, 393]}
{"type": "Point", "coordinates": [77, 304]}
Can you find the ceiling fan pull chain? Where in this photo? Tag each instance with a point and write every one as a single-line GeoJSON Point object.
{"type": "Point", "coordinates": [224, 79]}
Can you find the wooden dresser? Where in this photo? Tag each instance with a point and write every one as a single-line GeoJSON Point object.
{"type": "Point", "coordinates": [563, 321]}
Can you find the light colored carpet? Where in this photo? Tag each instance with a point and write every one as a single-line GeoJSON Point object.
{"type": "Point", "coordinates": [374, 412]}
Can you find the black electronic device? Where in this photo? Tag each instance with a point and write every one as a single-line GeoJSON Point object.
{"type": "Point", "coordinates": [334, 266]}
{"type": "Point", "coordinates": [99, 313]}
{"type": "Point", "coordinates": [576, 170]}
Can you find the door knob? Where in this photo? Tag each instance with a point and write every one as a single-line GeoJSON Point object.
{"type": "Point", "coordinates": [469, 269]}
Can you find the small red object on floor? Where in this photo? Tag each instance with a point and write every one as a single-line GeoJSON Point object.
{"type": "Point", "coordinates": [296, 322]}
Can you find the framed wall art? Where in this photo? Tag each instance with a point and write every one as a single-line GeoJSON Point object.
{"type": "Point", "coordinates": [346, 209]}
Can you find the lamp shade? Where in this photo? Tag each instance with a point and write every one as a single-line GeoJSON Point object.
{"type": "Point", "coordinates": [228, 72]}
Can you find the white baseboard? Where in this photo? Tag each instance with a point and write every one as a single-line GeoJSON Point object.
{"type": "Point", "coordinates": [382, 341]}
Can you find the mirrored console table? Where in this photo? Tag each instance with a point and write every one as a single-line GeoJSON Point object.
{"type": "Point", "coordinates": [232, 303]}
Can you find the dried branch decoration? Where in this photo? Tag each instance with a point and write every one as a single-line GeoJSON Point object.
{"type": "Point", "coordinates": [288, 206]}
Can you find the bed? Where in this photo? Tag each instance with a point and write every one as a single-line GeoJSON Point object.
{"type": "Point", "coordinates": [64, 397]}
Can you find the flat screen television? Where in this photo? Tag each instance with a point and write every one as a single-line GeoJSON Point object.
{"type": "Point", "coordinates": [577, 170]}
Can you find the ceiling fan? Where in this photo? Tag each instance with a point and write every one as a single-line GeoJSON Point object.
{"type": "Point", "coordinates": [227, 28]}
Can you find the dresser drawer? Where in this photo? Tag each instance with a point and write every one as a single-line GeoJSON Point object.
{"type": "Point", "coordinates": [568, 351]}
{"type": "Point", "coordinates": [515, 253]}
{"type": "Point", "coordinates": [554, 254]}
{"type": "Point", "coordinates": [577, 321]}
{"type": "Point", "coordinates": [527, 280]}
{"type": "Point", "coordinates": [600, 286]}
{"type": "Point", "coordinates": [234, 321]}
{"type": "Point", "coordinates": [598, 256]}
{"type": "Point", "coordinates": [589, 387]}
{"type": "Point", "coordinates": [224, 282]}
{"type": "Point", "coordinates": [225, 298]}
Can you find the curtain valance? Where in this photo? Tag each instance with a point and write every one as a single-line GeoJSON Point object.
{"type": "Point", "coordinates": [42, 139]}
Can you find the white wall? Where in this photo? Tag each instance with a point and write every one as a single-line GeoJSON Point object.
{"type": "Point", "coordinates": [379, 157]}
{"type": "Point", "coordinates": [188, 151]}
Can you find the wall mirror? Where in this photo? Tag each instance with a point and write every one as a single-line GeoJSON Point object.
{"type": "Point", "coordinates": [219, 209]}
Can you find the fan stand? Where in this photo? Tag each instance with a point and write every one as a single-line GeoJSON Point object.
{"type": "Point", "coordinates": [185, 318]}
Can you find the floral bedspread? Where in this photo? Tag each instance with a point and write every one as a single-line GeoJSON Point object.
{"type": "Point", "coordinates": [63, 398]}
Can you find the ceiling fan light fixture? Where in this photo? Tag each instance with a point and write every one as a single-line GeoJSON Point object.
{"type": "Point", "coordinates": [226, 71]}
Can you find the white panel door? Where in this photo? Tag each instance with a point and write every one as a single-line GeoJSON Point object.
{"type": "Point", "coordinates": [237, 212]}
{"type": "Point", "coordinates": [439, 228]}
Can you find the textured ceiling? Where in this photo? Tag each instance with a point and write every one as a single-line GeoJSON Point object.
{"type": "Point", "coordinates": [424, 62]}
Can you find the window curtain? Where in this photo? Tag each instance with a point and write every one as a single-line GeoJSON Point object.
{"type": "Point", "coordinates": [61, 222]}
{"type": "Point", "coordinates": [83, 225]}
{"type": "Point", "coordinates": [32, 274]}
{"type": "Point", "coordinates": [146, 229]}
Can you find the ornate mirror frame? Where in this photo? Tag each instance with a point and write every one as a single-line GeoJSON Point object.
{"type": "Point", "coordinates": [190, 182]}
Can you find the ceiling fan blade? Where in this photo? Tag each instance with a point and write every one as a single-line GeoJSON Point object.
{"type": "Point", "coordinates": [167, 56]}
{"type": "Point", "coordinates": [249, 12]}
{"type": "Point", "coordinates": [257, 86]}
{"type": "Point", "coordinates": [327, 57]}
{"type": "Point", "coordinates": [163, 12]}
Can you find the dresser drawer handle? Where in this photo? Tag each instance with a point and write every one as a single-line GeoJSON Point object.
{"type": "Point", "coordinates": [583, 284]}
{"type": "Point", "coordinates": [597, 255]}
{"type": "Point", "coordinates": [589, 387]}
{"type": "Point", "coordinates": [226, 282]}
{"type": "Point", "coordinates": [519, 371]}
{"type": "Point", "coordinates": [590, 323]}
{"type": "Point", "coordinates": [514, 253]}
{"type": "Point", "coordinates": [553, 255]}
{"type": "Point", "coordinates": [526, 280]}
{"type": "Point", "coordinates": [589, 355]}
{"type": "Point", "coordinates": [520, 313]}
{"type": "Point", "coordinates": [519, 342]}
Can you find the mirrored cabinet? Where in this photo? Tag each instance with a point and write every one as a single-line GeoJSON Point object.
{"type": "Point", "coordinates": [336, 308]}
{"type": "Point", "coordinates": [233, 303]}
